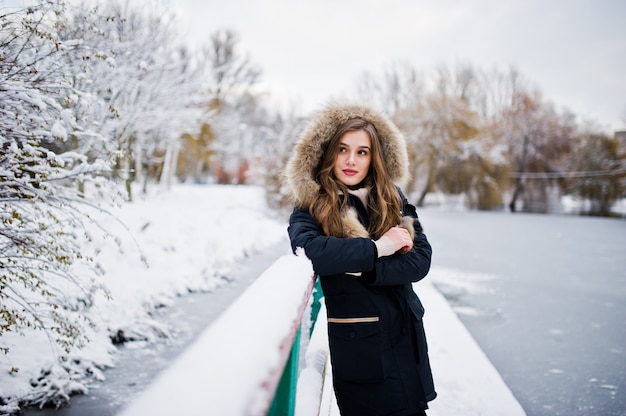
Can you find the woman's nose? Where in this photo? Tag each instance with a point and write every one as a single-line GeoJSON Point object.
{"type": "Point", "coordinates": [350, 159]}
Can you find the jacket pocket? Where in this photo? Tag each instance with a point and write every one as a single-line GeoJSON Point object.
{"type": "Point", "coordinates": [416, 306]}
{"type": "Point", "coordinates": [355, 346]}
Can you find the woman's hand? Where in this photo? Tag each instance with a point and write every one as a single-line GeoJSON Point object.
{"type": "Point", "coordinates": [396, 239]}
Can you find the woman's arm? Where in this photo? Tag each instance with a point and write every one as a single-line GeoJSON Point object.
{"type": "Point", "coordinates": [401, 268]}
{"type": "Point", "coordinates": [411, 266]}
{"type": "Point", "coordinates": [329, 255]}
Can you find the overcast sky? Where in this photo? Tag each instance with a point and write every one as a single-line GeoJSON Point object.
{"type": "Point", "coordinates": [574, 51]}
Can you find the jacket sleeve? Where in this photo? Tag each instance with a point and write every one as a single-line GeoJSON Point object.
{"type": "Point", "coordinates": [408, 267]}
{"type": "Point", "coordinates": [329, 255]}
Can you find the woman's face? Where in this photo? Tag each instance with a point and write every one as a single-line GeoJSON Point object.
{"type": "Point", "coordinates": [354, 157]}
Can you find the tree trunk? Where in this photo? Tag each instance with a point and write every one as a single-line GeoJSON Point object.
{"type": "Point", "coordinates": [517, 190]}
{"type": "Point", "coordinates": [169, 164]}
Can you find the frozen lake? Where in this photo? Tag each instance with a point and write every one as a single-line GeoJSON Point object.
{"type": "Point", "coordinates": [545, 298]}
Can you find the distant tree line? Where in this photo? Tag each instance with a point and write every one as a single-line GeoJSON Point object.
{"type": "Point", "coordinates": [492, 141]}
{"type": "Point", "coordinates": [491, 138]}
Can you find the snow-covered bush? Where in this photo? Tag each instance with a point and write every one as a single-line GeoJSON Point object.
{"type": "Point", "coordinates": [40, 196]}
{"type": "Point", "coordinates": [51, 183]}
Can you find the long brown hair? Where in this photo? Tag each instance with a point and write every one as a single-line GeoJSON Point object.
{"type": "Point", "coordinates": [383, 206]}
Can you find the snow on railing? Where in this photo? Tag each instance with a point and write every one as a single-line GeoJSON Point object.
{"type": "Point", "coordinates": [235, 366]}
{"type": "Point", "coordinates": [314, 394]}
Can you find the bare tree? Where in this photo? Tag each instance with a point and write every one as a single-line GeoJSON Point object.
{"type": "Point", "coordinates": [233, 104]}
{"type": "Point", "coordinates": [598, 171]}
{"type": "Point", "coordinates": [539, 140]}
{"type": "Point", "coordinates": [400, 86]}
{"type": "Point", "coordinates": [448, 145]}
{"type": "Point", "coordinates": [147, 85]}
{"type": "Point", "coordinates": [230, 73]}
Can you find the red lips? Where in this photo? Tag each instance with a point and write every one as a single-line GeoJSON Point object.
{"type": "Point", "coordinates": [349, 172]}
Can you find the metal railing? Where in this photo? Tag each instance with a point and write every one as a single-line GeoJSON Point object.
{"type": "Point", "coordinates": [284, 402]}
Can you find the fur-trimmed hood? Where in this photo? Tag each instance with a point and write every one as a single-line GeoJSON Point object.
{"type": "Point", "coordinates": [299, 173]}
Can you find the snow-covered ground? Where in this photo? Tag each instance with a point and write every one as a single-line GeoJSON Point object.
{"type": "Point", "coordinates": [190, 236]}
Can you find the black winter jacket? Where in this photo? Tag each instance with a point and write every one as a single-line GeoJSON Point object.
{"type": "Point", "coordinates": [378, 347]}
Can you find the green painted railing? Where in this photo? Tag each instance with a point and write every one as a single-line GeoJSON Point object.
{"type": "Point", "coordinates": [284, 402]}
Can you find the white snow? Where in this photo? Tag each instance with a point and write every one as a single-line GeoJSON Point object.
{"type": "Point", "coordinates": [58, 131]}
{"type": "Point", "coordinates": [190, 236]}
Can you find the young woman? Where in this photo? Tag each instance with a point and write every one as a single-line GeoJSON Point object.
{"type": "Point", "coordinates": [366, 244]}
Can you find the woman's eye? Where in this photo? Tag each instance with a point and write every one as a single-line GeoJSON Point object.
{"type": "Point", "coordinates": [342, 150]}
